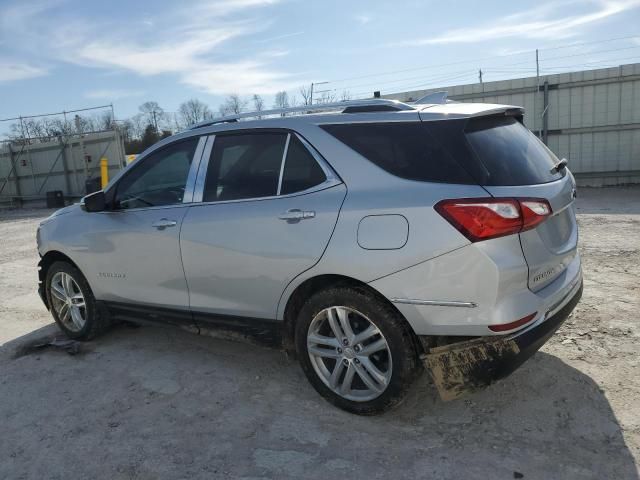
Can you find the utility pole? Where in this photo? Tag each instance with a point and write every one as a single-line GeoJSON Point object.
{"type": "Point", "coordinates": [311, 94]}
{"type": "Point", "coordinates": [155, 121]}
{"type": "Point", "coordinates": [480, 76]}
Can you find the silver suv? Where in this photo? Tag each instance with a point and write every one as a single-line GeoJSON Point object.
{"type": "Point", "coordinates": [372, 240]}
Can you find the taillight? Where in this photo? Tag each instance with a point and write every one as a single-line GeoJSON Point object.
{"type": "Point", "coordinates": [485, 218]}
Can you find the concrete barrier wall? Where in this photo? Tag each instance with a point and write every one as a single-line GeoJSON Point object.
{"type": "Point", "coordinates": [28, 171]}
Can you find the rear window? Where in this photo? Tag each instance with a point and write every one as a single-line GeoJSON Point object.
{"type": "Point", "coordinates": [509, 153]}
{"type": "Point", "coordinates": [406, 150]}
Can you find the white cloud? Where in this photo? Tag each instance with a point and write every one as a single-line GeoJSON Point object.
{"type": "Point", "coordinates": [159, 57]}
{"type": "Point", "coordinates": [363, 19]}
{"type": "Point", "coordinates": [112, 94]}
{"type": "Point", "coordinates": [279, 37]}
{"type": "Point", "coordinates": [191, 41]}
{"type": "Point", "coordinates": [11, 71]}
{"type": "Point", "coordinates": [540, 22]}
{"type": "Point", "coordinates": [243, 77]}
{"type": "Point", "coordinates": [222, 8]}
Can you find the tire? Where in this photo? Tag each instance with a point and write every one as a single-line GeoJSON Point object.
{"type": "Point", "coordinates": [95, 321]}
{"type": "Point", "coordinates": [395, 366]}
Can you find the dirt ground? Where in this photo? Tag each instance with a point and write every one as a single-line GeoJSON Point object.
{"type": "Point", "coordinates": [146, 403]}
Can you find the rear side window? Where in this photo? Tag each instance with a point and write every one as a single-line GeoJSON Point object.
{"type": "Point", "coordinates": [244, 166]}
{"type": "Point", "coordinates": [406, 150]}
{"type": "Point", "coordinates": [301, 171]}
{"type": "Point", "coordinates": [510, 153]}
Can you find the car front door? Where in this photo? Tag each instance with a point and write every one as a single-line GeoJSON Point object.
{"type": "Point", "coordinates": [136, 264]}
{"type": "Point", "coordinates": [269, 206]}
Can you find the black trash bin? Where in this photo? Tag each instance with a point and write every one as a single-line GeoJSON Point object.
{"type": "Point", "coordinates": [92, 185]}
{"type": "Point", "coordinates": [55, 199]}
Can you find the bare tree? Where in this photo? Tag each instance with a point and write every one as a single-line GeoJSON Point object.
{"type": "Point", "coordinates": [138, 125]}
{"type": "Point", "coordinates": [328, 96]}
{"type": "Point", "coordinates": [305, 93]}
{"type": "Point", "coordinates": [281, 100]}
{"type": "Point", "coordinates": [233, 104]}
{"type": "Point", "coordinates": [126, 130]}
{"type": "Point", "coordinates": [153, 113]}
{"type": "Point", "coordinates": [258, 103]}
{"type": "Point", "coordinates": [193, 111]}
{"type": "Point", "coordinates": [105, 121]}
{"type": "Point", "coordinates": [346, 95]}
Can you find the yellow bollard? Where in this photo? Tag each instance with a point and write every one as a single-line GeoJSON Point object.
{"type": "Point", "coordinates": [104, 172]}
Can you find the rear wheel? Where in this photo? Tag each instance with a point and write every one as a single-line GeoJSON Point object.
{"type": "Point", "coordinates": [356, 350]}
{"type": "Point", "coordinates": [72, 303]}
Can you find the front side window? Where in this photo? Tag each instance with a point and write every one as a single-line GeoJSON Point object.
{"type": "Point", "coordinates": [159, 180]}
{"type": "Point", "coordinates": [244, 166]}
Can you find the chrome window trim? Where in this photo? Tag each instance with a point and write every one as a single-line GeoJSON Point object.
{"type": "Point", "coordinates": [317, 188]}
{"type": "Point", "coordinates": [144, 209]}
{"type": "Point", "coordinates": [282, 163]}
{"type": "Point", "coordinates": [438, 303]}
{"type": "Point", "coordinates": [193, 171]}
{"type": "Point", "coordinates": [331, 181]}
{"type": "Point", "coordinates": [198, 191]}
{"type": "Point", "coordinates": [326, 168]}
{"type": "Point", "coordinates": [356, 122]}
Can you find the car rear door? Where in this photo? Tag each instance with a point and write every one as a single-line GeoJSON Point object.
{"type": "Point", "coordinates": [518, 164]}
{"type": "Point", "coordinates": [269, 204]}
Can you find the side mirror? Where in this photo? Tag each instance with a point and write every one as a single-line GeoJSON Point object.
{"type": "Point", "coordinates": [95, 202]}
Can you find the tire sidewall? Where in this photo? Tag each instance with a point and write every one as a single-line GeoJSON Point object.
{"type": "Point", "coordinates": [82, 283]}
{"type": "Point", "coordinates": [392, 326]}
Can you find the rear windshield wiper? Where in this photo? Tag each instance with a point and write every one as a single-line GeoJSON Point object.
{"type": "Point", "coordinates": [558, 167]}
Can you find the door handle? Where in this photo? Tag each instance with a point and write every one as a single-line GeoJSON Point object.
{"type": "Point", "coordinates": [163, 223]}
{"type": "Point", "coordinates": [295, 215]}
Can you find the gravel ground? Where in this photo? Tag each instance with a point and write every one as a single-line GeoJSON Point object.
{"type": "Point", "coordinates": [146, 403]}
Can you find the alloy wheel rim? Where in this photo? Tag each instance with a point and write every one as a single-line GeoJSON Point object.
{"type": "Point", "coordinates": [68, 301]}
{"type": "Point", "coordinates": [349, 353]}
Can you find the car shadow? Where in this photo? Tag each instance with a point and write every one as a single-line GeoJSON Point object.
{"type": "Point", "coordinates": [159, 402]}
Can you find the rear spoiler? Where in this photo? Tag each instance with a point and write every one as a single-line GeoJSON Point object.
{"type": "Point", "coordinates": [470, 110]}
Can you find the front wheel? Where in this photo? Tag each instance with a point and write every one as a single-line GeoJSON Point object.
{"type": "Point", "coordinates": [72, 303]}
{"type": "Point", "coordinates": [356, 350]}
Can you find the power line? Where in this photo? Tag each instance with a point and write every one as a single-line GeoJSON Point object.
{"type": "Point", "coordinates": [391, 72]}
{"type": "Point", "coordinates": [615, 62]}
{"type": "Point", "coordinates": [388, 82]}
{"type": "Point", "coordinates": [56, 113]}
{"type": "Point", "coordinates": [468, 73]}
{"type": "Point", "coordinates": [378, 85]}
{"type": "Point", "coordinates": [606, 40]}
{"type": "Point", "coordinates": [493, 57]}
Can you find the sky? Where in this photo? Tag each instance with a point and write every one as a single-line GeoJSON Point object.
{"type": "Point", "coordinates": [64, 54]}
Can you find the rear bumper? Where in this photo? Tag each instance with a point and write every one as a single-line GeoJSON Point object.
{"type": "Point", "coordinates": [464, 367]}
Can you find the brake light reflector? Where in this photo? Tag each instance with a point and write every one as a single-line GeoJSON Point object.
{"type": "Point", "coordinates": [503, 327]}
{"type": "Point", "coordinates": [485, 218]}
